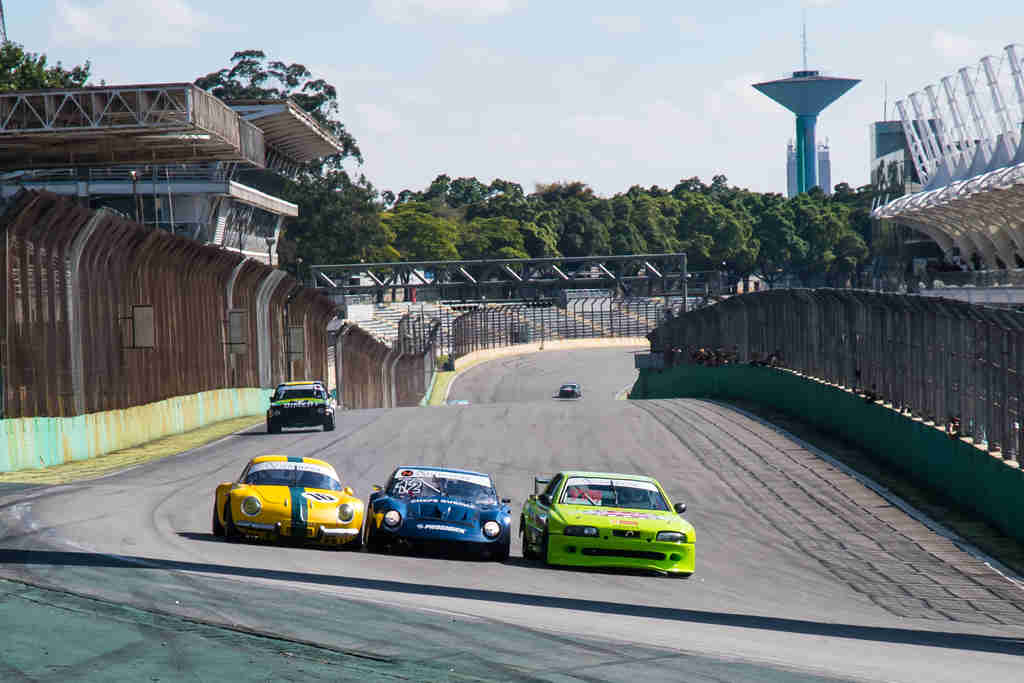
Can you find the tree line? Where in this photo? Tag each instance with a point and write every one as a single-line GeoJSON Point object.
{"type": "Point", "coordinates": [343, 218]}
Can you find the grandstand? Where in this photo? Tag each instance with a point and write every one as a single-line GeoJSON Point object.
{"type": "Point", "coordinates": [972, 171]}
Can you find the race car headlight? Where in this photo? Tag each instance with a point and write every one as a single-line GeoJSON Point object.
{"type": "Point", "coordinates": [672, 536]}
{"type": "Point", "coordinates": [580, 531]}
{"type": "Point", "coordinates": [275, 412]}
{"type": "Point", "coordinates": [252, 506]}
{"type": "Point", "coordinates": [491, 529]}
{"type": "Point", "coordinates": [320, 410]}
{"type": "Point", "coordinates": [392, 518]}
{"type": "Point", "coordinates": [346, 513]}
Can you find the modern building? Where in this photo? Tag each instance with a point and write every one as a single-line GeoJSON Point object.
{"type": "Point", "coordinates": [791, 186]}
{"type": "Point", "coordinates": [170, 156]}
{"type": "Point", "coordinates": [824, 169]}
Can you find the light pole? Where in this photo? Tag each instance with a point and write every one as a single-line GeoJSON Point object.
{"type": "Point", "coordinates": [135, 194]}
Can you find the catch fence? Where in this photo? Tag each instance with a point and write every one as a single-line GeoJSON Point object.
{"type": "Point", "coordinates": [372, 374]}
{"type": "Point", "coordinates": [500, 325]}
{"type": "Point", "coordinates": [940, 360]}
{"type": "Point", "coordinates": [102, 314]}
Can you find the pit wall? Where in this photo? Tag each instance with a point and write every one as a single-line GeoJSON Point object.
{"type": "Point", "coordinates": [955, 468]}
{"type": "Point", "coordinates": [37, 442]}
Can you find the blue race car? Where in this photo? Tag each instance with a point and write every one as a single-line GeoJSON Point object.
{"type": "Point", "coordinates": [423, 506]}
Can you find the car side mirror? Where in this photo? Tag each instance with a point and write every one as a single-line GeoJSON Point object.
{"type": "Point", "coordinates": [544, 499]}
{"type": "Point", "coordinates": [348, 491]}
{"type": "Point", "coordinates": [680, 507]}
{"type": "Point", "coordinates": [506, 501]}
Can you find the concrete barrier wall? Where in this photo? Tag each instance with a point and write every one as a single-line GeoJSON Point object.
{"type": "Point", "coordinates": [36, 442]}
{"type": "Point", "coordinates": [955, 468]}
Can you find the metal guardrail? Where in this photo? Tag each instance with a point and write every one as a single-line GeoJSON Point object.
{"type": "Point", "coordinates": [940, 360]}
{"type": "Point", "coordinates": [509, 324]}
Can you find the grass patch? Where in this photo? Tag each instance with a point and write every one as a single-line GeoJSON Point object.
{"type": "Point", "coordinates": [129, 457]}
{"type": "Point", "coordinates": [441, 383]}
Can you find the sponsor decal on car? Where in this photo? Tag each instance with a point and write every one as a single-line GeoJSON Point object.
{"type": "Point", "coordinates": [478, 479]}
{"type": "Point", "coordinates": [289, 466]}
{"type": "Point", "coordinates": [623, 514]}
{"type": "Point", "coordinates": [440, 527]}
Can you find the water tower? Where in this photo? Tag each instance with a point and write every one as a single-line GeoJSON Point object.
{"type": "Point", "coordinates": [806, 93]}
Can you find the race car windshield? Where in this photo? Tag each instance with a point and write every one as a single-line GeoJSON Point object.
{"type": "Point", "coordinates": [292, 477]}
{"type": "Point", "coordinates": [616, 493]}
{"type": "Point", "coordinates": [288, 394]}
{"type": "Point", "coordinates": [432, 486]}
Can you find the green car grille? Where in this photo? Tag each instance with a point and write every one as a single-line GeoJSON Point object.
{"type": "Point", "coordinates": [635, 554]}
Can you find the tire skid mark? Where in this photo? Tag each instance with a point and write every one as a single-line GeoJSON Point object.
{"type": "Point", "coordinates": [845, 537]}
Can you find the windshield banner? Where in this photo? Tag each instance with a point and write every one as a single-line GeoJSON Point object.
{"type": "Point", "coordinates": [478, 479]}
{"type": "Point", "coordinates": [291, 466]}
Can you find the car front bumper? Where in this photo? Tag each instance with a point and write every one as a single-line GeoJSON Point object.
{"type": "Point", "coordinates": [613, 553]}
{"type": "Point", "coordinates": [324, 534]}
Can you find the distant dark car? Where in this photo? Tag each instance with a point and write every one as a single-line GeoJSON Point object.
{"type": "Point", "coordinates": [300, 404]}
{"type": "Point", "coordinates": [569, 391]}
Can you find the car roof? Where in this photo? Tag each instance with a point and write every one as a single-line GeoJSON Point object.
{"type": "Point", "coordinates": [302, 383]}
{"type": "Point", "coordinates": [435, 468]}
{"type": "Point", "coordinates": [607, 475]}
{"type": "Point", "coordinates": [287, 458]}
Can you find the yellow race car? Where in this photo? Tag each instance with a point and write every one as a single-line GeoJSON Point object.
{"type": "Point", "coordinates": [280, 498]}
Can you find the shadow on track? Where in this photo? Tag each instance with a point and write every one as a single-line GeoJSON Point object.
{"type": "Point", "coordinates": [959, 641]}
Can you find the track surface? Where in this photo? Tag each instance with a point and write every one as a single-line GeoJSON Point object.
{"type": "Point", "coordinates": [802, 573]}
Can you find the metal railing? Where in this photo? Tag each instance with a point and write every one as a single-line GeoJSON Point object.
{"type": "Point", "coordinates": [940, 360]}
{"type": "Point", "coordinates": [509, 324]}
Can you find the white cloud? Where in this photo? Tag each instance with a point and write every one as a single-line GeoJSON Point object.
{"type": "Point", "coordinates": [411, 11]}
{"type": "Point", "coordinates": [150, 23]}
{"type": "Point", "coordinates": [621, 24]}
{"type": "Point", "coordinates": [955, 46]}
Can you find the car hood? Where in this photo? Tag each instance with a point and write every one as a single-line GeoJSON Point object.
{"type": "Point", "coordinates": [613, 518]}
{"type": "Point", "coordinates": [445, 508]}
{"type": "Point", "coordinates": [280, 495]}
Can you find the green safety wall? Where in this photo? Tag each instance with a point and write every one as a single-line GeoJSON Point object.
{"type": "Point", "coordinates": [36, 442]}
{"type": "Point", "coordinates": [955, 468]}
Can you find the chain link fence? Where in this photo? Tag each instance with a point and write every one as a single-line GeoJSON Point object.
{"type": "Point", "coordinates": [940, 360]}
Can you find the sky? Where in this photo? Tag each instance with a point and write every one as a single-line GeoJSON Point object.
{"type": "Point", "coordinates": [610, 93]}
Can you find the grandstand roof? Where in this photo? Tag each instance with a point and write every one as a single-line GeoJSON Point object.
{"type": "Point", "coordinates": [96, 126]}
{"type": "Point", "coordinates": [289, 128]}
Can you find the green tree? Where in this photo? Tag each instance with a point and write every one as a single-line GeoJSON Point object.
{"type": "Point", "coordinates": [21, 70]}
{"type": "Point", "coordinates": [253, 77]}
{"type": "Point", "coordinates": [420, 235]}
{"type": "Point", "coordinates": [488, 238]}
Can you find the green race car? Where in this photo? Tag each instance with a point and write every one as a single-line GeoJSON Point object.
{"type": "Point", "coordinates": [595, 519]}
{"type": "Point", "coordinates": [300, 404]}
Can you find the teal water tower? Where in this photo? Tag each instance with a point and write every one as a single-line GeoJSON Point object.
{"type": "Point", "coordinates": [806, 94]}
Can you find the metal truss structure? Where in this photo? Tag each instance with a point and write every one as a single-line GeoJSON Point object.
{"type": "Point", "coordinates": [167, 123]}
{"type": "Point", "coordinates": [633, 275]}
{"type": "Point", "coordinates": [166, 155]}
{"type": "Point", "coordinates": [972, 201]}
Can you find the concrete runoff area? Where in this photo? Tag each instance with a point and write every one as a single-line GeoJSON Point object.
{"type": "Point", "coordinates": [802, 573]}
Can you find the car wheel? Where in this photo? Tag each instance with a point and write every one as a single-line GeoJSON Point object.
{"type": "Point", "coordinates": [544, 548]}
{"type": "Point", "coordinates": [501, 554]}
{"type": "Point", "coordinates": [329, 426]}
{"type": "Point", "coordinates": [356, 543]}
{"type": "Point", "coordinates": [218, 528]}
{"type": "Point", "coordinates": [230, 532]}
{"type": "Point", "coordinates": [528, 553]}
{"type": "Point", "coordinates": [370, 539]}
{"type": "Point", "coordinates": [273, 427]}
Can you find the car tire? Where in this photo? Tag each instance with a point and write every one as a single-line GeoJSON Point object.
{"type": "Point", "coordinates": [218, 528]}
{"type": "Point", "coordinates": [528, 553]}
{"type": "Point", "coordinates": [544, 548]}
{"type": "Point", "coordinates": [329, 426]}
{"type": "Point", "coordinates": [502, 553]}
{"type": "Point", "coordinates": [230, 532]}
{"type": "Point", "coordinates": [373, 545]}
{"type": "Point", "coordinates": [273, 427]}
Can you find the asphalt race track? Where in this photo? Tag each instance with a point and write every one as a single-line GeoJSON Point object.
{"type": "Point", "coordinates": [803, 574]}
